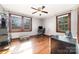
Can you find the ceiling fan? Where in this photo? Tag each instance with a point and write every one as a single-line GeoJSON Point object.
{"type": "Point", "coordinates": [39, 9]}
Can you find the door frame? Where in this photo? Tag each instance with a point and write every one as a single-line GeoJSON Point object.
{"type": "Point", "coordinates": [78, 24]}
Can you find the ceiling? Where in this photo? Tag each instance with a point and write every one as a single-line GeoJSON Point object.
{"type": "Point", "coordinates": [52, 9]}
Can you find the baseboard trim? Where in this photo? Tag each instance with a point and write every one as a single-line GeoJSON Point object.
{"type": "Point", "coordinates": [48, 35]}
{"type": "Point", "coordinates": [32, 36]}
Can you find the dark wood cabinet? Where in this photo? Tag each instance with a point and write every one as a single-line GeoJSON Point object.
{"type": "Point", "coordinates": [59, 47]}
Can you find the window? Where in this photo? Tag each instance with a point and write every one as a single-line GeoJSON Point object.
{"type": "Point", "coordinates": [15, 23]}
{"type": "Point", "coordinates": [27, 24]}
{"type": "Point", "coordinates": [63, 23]}
{"type": "Point", "coordinates": [20, 23]}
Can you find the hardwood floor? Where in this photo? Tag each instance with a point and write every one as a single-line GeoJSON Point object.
{"type": "Point", "coordinates": [41, 45]}
{"type": "Point", "coordinates": [35, 45]}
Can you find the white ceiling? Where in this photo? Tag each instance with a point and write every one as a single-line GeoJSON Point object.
{"type": "Point", "coordinates": [39, 1]}
{"type": "Point", "coordinates": [52, 9]}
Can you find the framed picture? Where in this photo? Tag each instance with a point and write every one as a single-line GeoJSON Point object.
{"type": "Point", "coordinates": [15, 23]}
{"type": "Point", "coordinates": [27, 24]}
{"type": "Point", "coordinates": [63, 23]}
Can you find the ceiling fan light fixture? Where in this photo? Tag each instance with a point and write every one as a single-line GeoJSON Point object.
{"type": "Point", "coordinates": [39, 9]}
{"type": "Point", "coordinates": [39, 14]}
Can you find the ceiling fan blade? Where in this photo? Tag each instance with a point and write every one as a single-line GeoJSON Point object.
{"type": "Point", "coordinates": [34, 12]}
{"type": "Point", "coordinates": [34, 8]}
{"type": "Point", "coordinates": [44, 11]}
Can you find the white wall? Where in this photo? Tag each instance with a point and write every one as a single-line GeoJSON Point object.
{"type": "Point", "coordinates": [35, 24]}
{"type": "Point", "coordinates": [1, 9]}
{"type": "Point", "coordinates": [50, 25]}
{"type": "Point", "coordinates": [74, 23]}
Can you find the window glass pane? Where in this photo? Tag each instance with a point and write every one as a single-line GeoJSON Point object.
{"type": "Point", "coordinates": [63, 23]}
{"type": "Point", "coordinates": [27, 23]}
{"type": "Point", "coordinates": [16, 22]}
